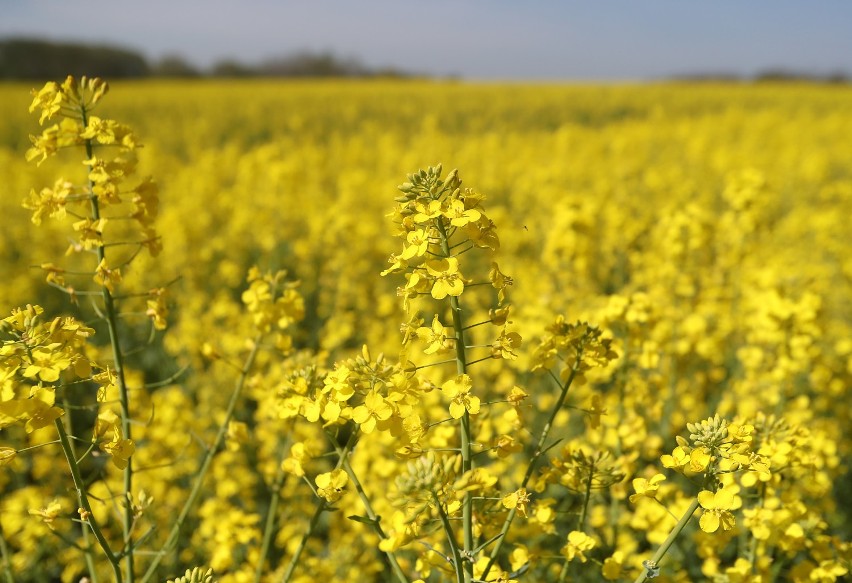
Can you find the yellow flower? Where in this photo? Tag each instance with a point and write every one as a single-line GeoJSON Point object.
{"type": "Point", "coordinates": [596, 411]}
{"type": "Point", "coordinates": [517, 396]}
{"type": "Point", "coordinates": [458, 391]}
{"type": "Point", "coordinates": [120, 449]}
{"type": "Point", "coordinates": [427, 213]}
{"type": "Point", "coordinates": [446, 276]}
{"type": "Point", "coordinates": [646, 488]}
{"type": "Point", "coordinates": [717, 509]}
{"type": "Point", "coordinates": [475, 479]}
{"type": "Point", "coordinates": [578, 543]}
{"type": "Point", "coordinates": [332, 484]}
{"type": "Point", "coordinates": [295, 463]}
{"type": "Point", "coordinates": [49, 99]}
{"type": "Point", "coordinates": [7, 454]}
{"type": "Point", "coordinates": [107, 277]}
{"type": "Point", "coordinates": [518, 500]}
{"type": "Point", "coordinates": [439, 338]}
{"type": "Point", "coordinates": [47, 363]}
{"type": "Point", "coordinates": [374, 409]}
{"type": "Point", "coordinates": [459, 217]}
{"type": "Point", "coordinates": [500, 281]}
{"type": "Point", "coordinates": [505, 345]}
{"type": "Point", "coordinates": [612, 566]}
{"type": "Point", "coordinates": [417, 244]}
{"type": "Point", "coordinates": [505, 445]}
{"type": "Point", "coordinates": [49, 513]}
{"type": "Point", "coordinates": [699, 459]}
{"type": "Point", "coordinates": [677, 460]}
{"type": "Point", "coordinates": [238, 435]}
{"type": "Point", "coordinates": [337, 384]}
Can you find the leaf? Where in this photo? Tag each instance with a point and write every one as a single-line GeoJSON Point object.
{"type": "Point", "coordinates": [365, 519]}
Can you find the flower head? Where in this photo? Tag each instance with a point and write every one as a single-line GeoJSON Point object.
{"type": "Point", "coordinates": [458, 391]}
{"type": "Point", "coordinates": [331, 485]}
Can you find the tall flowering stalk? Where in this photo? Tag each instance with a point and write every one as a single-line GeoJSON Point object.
{"type": "Point", "coordinates": [102, 211]}
{"type": "Point", "coordinates": [440, 222]}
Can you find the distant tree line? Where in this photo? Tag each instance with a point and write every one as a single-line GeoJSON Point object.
{"type": "Point", "coordinates": [25, 58]}
{"type": "Point", "coordinates": [32, 58]}
{"type": "Point", "coordinates": [765, 76]}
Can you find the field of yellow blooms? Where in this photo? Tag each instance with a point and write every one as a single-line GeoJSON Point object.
{"type": "Point", "coordinates": [423, 331]}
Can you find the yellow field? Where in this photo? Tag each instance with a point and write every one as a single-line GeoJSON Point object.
{"type": "Point", "coordinates": [703, 228]}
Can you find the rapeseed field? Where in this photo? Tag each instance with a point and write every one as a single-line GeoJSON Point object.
{"type": "Point", "coordinates": [425, 331]}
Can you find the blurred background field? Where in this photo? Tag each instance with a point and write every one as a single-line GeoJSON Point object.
{"type": "Point", "coordinates": [597, 190]}
{"type": "Point", "coordinates": [704, 226]}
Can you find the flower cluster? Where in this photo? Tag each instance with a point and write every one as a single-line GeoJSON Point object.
{"type": "Point", "coordinates": [35, 354]}
{"type": "Point", "coordinates": [105, 208]}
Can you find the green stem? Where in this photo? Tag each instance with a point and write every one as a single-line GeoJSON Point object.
{"type": "Point", "coordinates": [753, 544]}
{"type": "Point", "coordinates": [87, 548]}
{"type": "Point", "coordinates": [581, 524]}
{"type": "Point", "coordinates": [467, 458]}
{"type": "Point", "coordinates": [661, 552]}
{"type": "Point", "coordinates": [110, 313]}
{"type": "Point", "coordinates": [270, 520]}
{"type": "Point", "coordinates": [7, 561]}
{"type": "Point", "coordinates": [539, 451]}
{"type": "Point", "coordinates": [451, 541]}
{"type": "Point", "coordinates": [371, 514]}
{"type": "Point", "coordinates": [291, 567]}
{"type": "Point", "coordinates": [84, 500]}
{"type": "Point", "coordinates": [174, 534]}
{"type": "Point", "coordinates": [322, 506]}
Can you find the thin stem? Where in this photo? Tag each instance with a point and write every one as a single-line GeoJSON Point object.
{"type": "Point", "coordinates": [470, 326]}
{"type": "Point", "coordinates": [467, 459]}
{"type": "Point", "coordinates": [270, 521]}
{"type": "Point", "coordinates": [87, 547]}
{"type": "Point", "coordinates": [478, 360]}
{"type": "Point", "coordinates": [322, 506]}
{"type": "Point", "coordinates": [371, 514]}
{"type": "Point", "coordinates": [451, 540]}
{"type": "Point", "coordinates": [172, 539]}
{"type": "Point", "coordinates": [84, 500]}
{"type": "Point", "coordinates": [38, 445]}
{"type": "Point", "coordinates": [581, 523]}
{"type": "Point", "coordinates": [291, 567]}
{"type": "Point", "coordinates": [661, 552]}
{"type": "Point", "coordinates": [118, 363]}
{"type": "Point", "coordinates": [539, 451]}
{"type": "Point", "coordinates": [7, 561]}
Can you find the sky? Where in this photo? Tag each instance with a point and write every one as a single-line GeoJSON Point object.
{"type": "Point", "coordinates": [475, 39]}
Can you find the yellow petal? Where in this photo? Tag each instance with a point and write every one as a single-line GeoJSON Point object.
{"type": "Point", "coordinates": [709, 522]}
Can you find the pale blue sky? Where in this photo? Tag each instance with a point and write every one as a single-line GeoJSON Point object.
{"type": "Point", "coordinates": [480, 39]}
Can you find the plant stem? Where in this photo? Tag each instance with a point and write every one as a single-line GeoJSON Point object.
{"type": "Point", "coordinates": [270, 520]}
{"type": "Point", "coordinates": [661, 552]}
{"type": "Point", "coordinates": [291, 567]}
{"type": "Point", "coordinates": [371, 514]}
{"type": "Point", "coordinates": [172, 539]}
{"type": "Point", "coordinates": [110, 313]}
{"type": "Point", "coordinates": [84, 500]}
{"type": "Point", "coordinates": [7, 562]}
{"type": "Point", "coordinates": [542, 438]}
{"type": "Point", "coordinates": [321, 507]}
{"type": "Point", "coordinates": [87, 552]}
{"type": "Point", "coordinates": [467, 458]}
{"type": "Point", "coordinates": [581, 523]}
{"type": "Point", "coordinates": [451, 540]}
